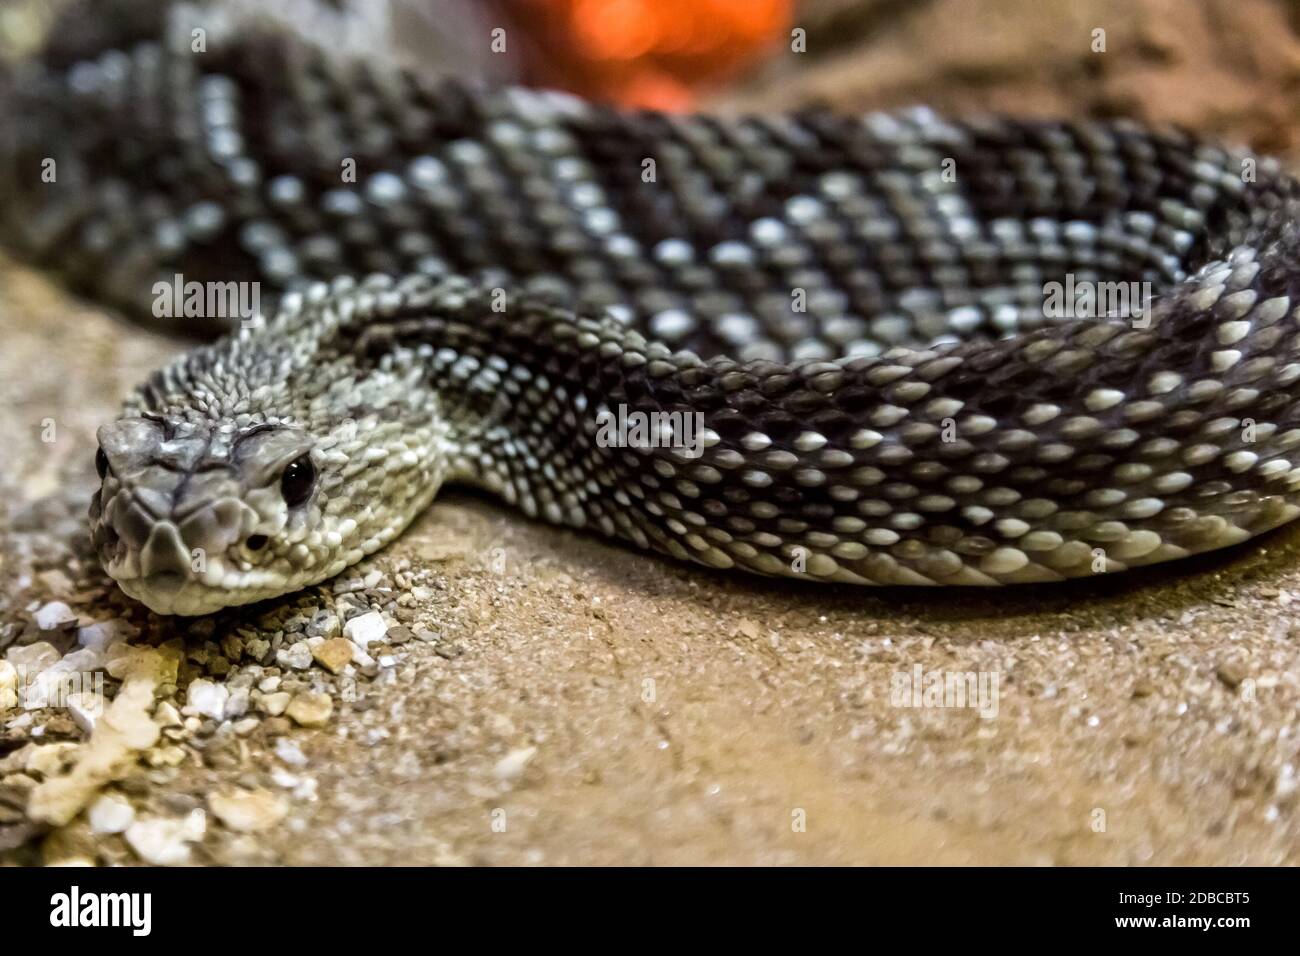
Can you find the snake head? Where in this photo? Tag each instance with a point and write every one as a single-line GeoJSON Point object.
{"type": "Point", "coordinates": [192, 516]}
{"type": "Point", "coordinates": [271, 459]}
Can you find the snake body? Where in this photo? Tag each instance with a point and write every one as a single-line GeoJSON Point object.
{"type": "Point", "coordinates": [851, 309]}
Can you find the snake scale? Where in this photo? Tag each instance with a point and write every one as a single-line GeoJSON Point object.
{"type": "Point", "coordinates": [852, 308]}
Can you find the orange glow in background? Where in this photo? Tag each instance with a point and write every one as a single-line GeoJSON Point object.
{"type": "Point", "coordinates": [647, 53]}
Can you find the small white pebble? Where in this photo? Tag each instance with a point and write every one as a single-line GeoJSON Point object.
{"type": "Point", "coordinates": [85, 708]}
{"type": "Point", "coordinates": [289, 751]}
{"type": "Point", "coordinates": [103, 634]}
{"type": "Point", "coordinates": [50, 616]}
{"type": "Point", "coordinates": [206, 698]}
{"type": "Point", "coordinates": [366, 629]}
{"type": "Point", "coordinates": [110, 814]}
{"type": "Point", "coordinates": [165, 842]}
{"type": "Point", "coordinates": [513, 764]}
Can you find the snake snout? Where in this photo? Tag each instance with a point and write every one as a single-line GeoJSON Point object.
{"type": "Point", "coordinates": [164, 552]}
{"type": "Point", "coordinates": [216, 527]}
{"type": "Point", "coordinates": [172, 543]}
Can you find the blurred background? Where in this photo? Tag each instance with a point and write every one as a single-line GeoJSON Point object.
{"type": "Point", "coordinates": [1229, 68]}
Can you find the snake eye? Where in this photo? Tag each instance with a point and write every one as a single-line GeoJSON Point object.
{"type": "Point", "coordinates": [101, 463]}
{"type": "Point", "coordinates": [298, 480]}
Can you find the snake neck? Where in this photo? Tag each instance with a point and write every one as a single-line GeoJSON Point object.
{"type": "Point", "coordinates": [891, 469]}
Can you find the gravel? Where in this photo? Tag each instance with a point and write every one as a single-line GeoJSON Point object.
{"type": "Point", "coordinates": [334, 655]}
{"type": "Point", "coordinates": [249, 811]}
{"type": "Point", "coordinates": [310, 709]}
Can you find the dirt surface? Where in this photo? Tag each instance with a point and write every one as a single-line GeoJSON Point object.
{"type": "Point", "coordinates": [539, 697]}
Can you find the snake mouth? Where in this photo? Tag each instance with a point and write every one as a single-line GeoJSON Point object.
{"type": "Point", "coordinates": [166, 593]}
{"type": "Point", "coordinates": [168, 582]}
{"type": "Point", "coordinates": [188, 594]}
{"type": "Point", "coordinates": [173, 593]}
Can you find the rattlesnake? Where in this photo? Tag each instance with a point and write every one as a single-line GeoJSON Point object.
{"type": "Point", "coordinates": [850, 312]}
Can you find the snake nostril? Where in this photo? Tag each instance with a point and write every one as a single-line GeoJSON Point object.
{"type": "Point", "coordinates": [256, 542]}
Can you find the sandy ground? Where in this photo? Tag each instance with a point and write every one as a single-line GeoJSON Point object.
{"type": "Point", "coordinates": [587, 704]}
{"type": "Point", "coordinates": [568, 701]}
